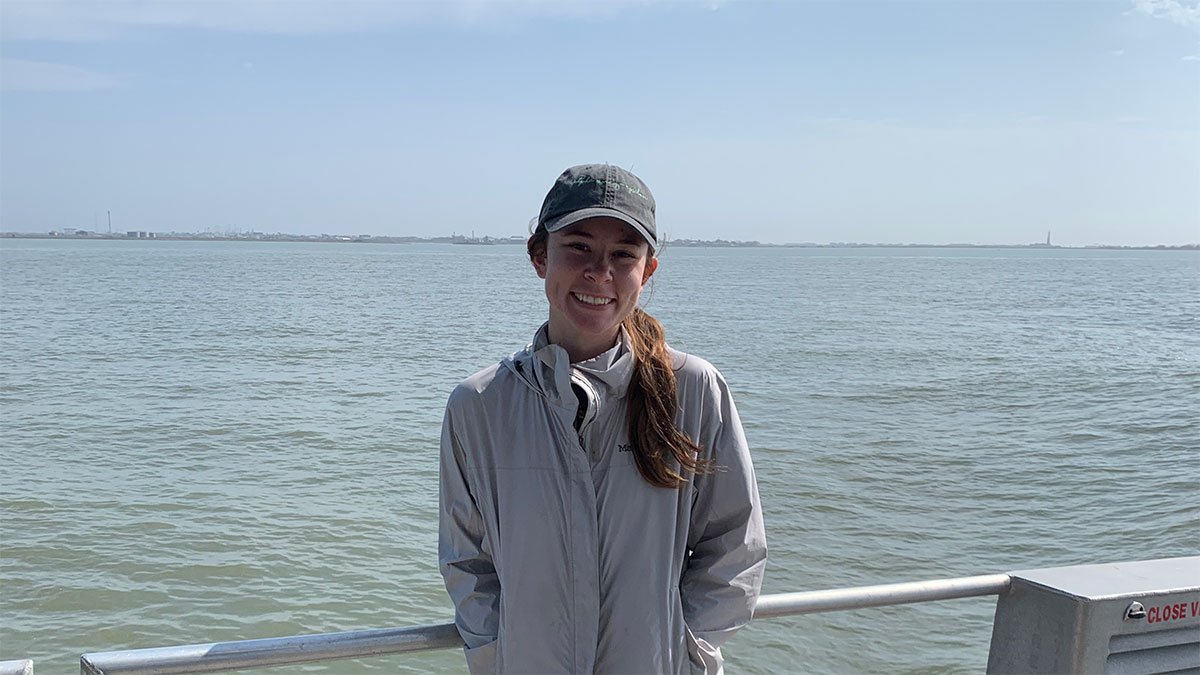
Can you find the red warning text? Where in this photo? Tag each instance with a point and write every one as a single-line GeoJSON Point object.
{"type": "Point", "coordinates": [1172, 612]}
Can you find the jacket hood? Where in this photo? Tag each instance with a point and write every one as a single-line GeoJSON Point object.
{"type": "Point", "coordinates": [547, 369]}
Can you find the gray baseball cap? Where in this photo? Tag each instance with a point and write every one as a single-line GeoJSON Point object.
{"type": "Point", "coordinates": [592, 190]}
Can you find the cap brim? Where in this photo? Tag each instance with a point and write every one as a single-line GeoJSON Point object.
{"type": "Point", "coordinates": [568, 219]}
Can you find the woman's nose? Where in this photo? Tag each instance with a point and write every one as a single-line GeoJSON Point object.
{"type": "Point", "coordinates": [598, 268]}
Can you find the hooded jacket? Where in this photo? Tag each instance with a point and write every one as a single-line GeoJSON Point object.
{"type": "Point", "coordinates": [559, 557]}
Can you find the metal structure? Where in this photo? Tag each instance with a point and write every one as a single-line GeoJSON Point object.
{"type": "Point", "coordinates": [223, 656]}
{"type": "Point", "coordinates": [1018, 630]}
{"type": "Point", "coordinates": [1139, 617]}
{"type": "Point", "coordinates": [23, 667]}
{"type": "Point", "coordinates": [812, 602]}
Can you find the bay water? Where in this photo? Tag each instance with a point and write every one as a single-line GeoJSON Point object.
{"type": "Point", "coordinates": [210, 441]}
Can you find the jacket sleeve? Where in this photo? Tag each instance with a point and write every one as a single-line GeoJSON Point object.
{"type": "Point", "coordinates": [465, 562]}
{"type": "Point", "coordinates": [723, 575]}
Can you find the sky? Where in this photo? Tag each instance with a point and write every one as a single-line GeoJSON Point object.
{"type": "Point", "coordinates": [876, 122]}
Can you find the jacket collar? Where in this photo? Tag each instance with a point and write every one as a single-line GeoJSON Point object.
{"type": "Point", "coordinates": [547, 368]}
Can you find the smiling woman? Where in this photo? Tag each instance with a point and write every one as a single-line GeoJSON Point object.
{"type": "Point", "coordinates": [584, 526]}
{"type": "Point", "coordinates": [594, 270]}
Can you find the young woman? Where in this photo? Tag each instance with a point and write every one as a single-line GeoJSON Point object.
{"type": "Point", "coordinates": [599, 511]}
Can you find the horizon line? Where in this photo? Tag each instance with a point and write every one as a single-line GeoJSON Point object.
{"type": "Point", "coordinates": [253, 235]}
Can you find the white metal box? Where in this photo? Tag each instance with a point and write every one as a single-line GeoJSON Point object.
{"type": "Point", "coordinates": [1137, 617]}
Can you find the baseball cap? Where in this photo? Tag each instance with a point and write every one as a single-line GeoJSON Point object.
{"type": "Point", "coordinates": [592, 190]}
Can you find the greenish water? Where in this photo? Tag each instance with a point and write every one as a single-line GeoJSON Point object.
{"type": "Point", "coordinates": [208, 441]}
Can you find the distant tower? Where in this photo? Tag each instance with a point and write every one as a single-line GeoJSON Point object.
{"type": "Point", "coordinates": [1047, 237]}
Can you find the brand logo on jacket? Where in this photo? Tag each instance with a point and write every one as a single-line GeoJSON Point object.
{"type": "Point", "coordinates": [625, 447]}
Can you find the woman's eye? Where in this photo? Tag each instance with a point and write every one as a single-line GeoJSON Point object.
{"type": "Point", "coordinates": [578, 246]}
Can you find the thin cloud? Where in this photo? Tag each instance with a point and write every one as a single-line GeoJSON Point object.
{"type": "Point", "coordinates": [80, 20]}
{"type": "Point", "coordinates": [74, 20]}
{"type": "Point", "coordinates": [1179, 12]}
{"type": "Point", "coordinates": [21, 75]}
{"type": "Point", "coordinates": [1118, 52]}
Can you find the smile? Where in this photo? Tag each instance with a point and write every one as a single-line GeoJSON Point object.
{"type": "Point", "coordinates": [591, 299]}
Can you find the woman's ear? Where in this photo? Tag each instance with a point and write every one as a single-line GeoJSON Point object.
{"type": "Point", "coordinates": [651, 265]}
{"type": "Point", "coordinates": [539, 262]}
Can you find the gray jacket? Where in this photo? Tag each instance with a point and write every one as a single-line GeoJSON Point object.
{"type": "Point", "coordinates": [559, 556]}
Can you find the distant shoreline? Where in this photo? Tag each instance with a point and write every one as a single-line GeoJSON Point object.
{"type": "Point", "coordinates": [515, 240]}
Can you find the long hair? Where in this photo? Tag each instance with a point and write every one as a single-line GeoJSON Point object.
{"type": "Point", "coordinates": [651, 397]}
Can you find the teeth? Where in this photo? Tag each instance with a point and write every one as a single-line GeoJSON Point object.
{"type": "Point", "coordinates": [591, 299]}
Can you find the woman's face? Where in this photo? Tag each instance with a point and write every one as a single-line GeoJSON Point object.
{"type": "Point", "coordinates": [594, 272]}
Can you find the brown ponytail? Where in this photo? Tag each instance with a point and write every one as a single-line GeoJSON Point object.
{"type": "Point", "coordinates": [652, 407]}
{"type": "Point", "coordinates": [652, 399]}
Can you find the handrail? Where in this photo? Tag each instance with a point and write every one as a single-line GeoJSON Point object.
{"type": "Point", "coordinates": [244, 654]}
{"type": "Point", "coordinates": [19, 667]}
{"type": "Point", "coordinates": [811, 602]}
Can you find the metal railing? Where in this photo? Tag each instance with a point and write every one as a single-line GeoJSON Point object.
{"type": "Point", "coordinates": [22, 667]}
{"type": "Point", "coordinates": [245, 654]}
